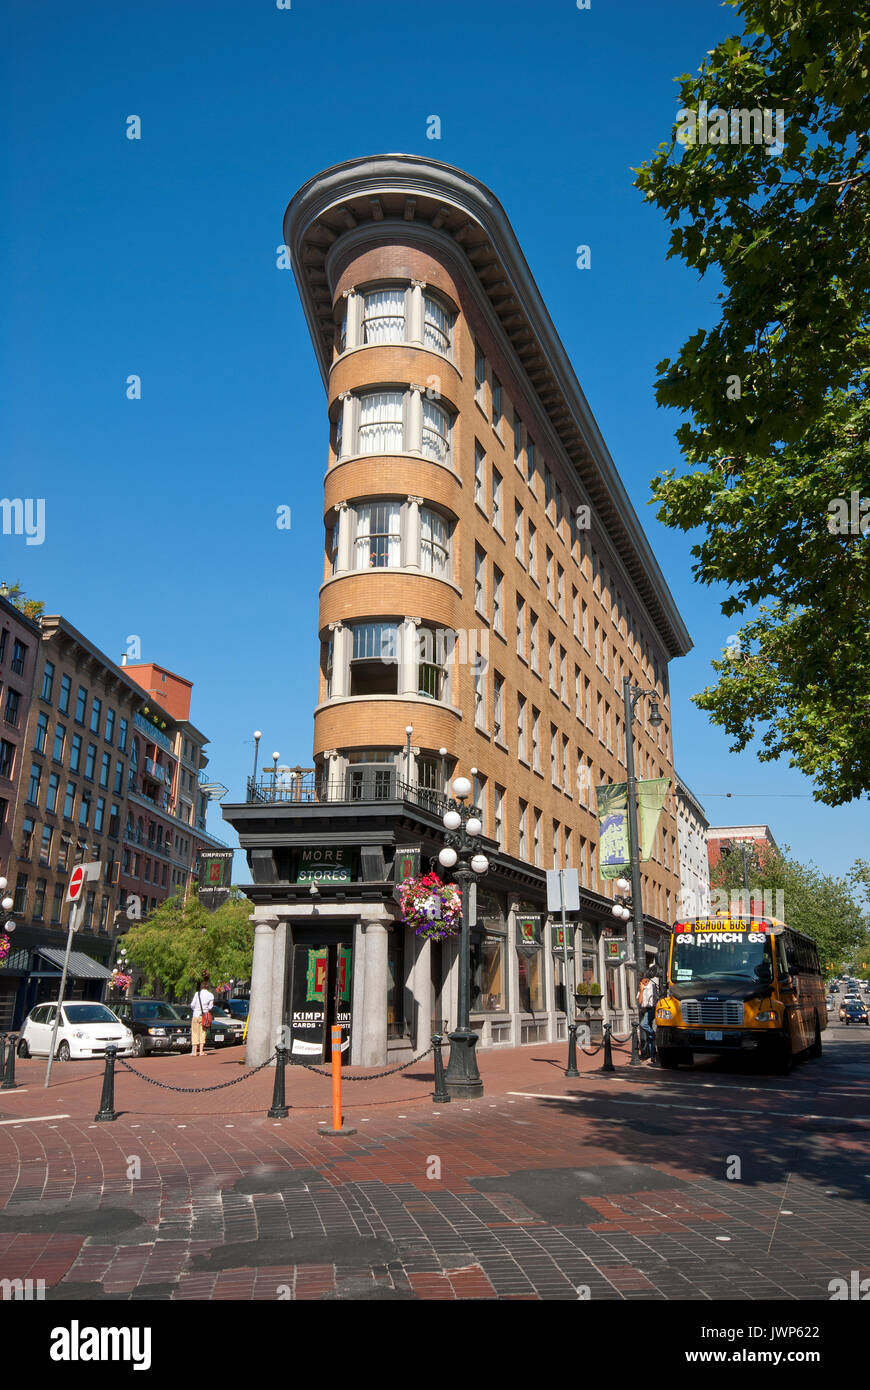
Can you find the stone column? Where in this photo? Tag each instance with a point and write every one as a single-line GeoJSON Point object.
{"type": "Point", "coordinates": [411, 558]}
{"type": "Point", "coordinates": [331, 775]}
{"type": "Point", "coordinates": [415, 313]}
{"type": "Point", "coordinates": [340, 659]}
{"type": "Point", "coordinates": [408, 657]}
{"type": "Point", "coordinates": [512, 966]}
{"type": "Point", "coordinates": [421, 983]}
{"type": "Point", "coordinates": [261, 1024]}
{"type": "Point", "coordinates": [343, 555]}
{"type": "Point", "coordinates": [358, 995]}
{"type": "Point", "coordinates": [346, 399]}
{"type": "Point", "coordinates": [353, 337]}
{"type": "Point", "coordinates": [373, 1019]}
{"type": "Point", "coordinates": [414, 443]}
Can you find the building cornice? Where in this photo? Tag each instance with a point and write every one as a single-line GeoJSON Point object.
{"type": "Point", "coordinates": [418, 192]}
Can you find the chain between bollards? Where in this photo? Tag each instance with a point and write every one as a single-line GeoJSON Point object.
{"type": "Point", "coordinates": [9, 1082]}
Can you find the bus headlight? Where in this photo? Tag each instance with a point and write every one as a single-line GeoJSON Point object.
{"type": "Point", "coordinates": [768, 1017]}
{"type": "Point", "coordinates": [665, 1011]}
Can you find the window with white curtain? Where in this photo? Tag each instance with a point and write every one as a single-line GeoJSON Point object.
{"type": "Point", "coordinates": [378, 540]}
{"type": "Point", "coordinates": [437, 325]}
{"type": "Point", "coordinates": [521, 726]}
{"type": "Point", "coordinates": [434, 543]}
{"type": "Point", "coordinates": [436, 432]}
{"type": "Point", "coordinates": [434, 646]}
{"type": "Point", "coordinates": [374, 660]}
{"type": "Point", "coordinates": [384, 316]}
{"type": "Point", "coordinates": [380, 423]}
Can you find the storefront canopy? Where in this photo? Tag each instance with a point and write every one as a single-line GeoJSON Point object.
{"type": "Point", "coordinates": [81, 967]}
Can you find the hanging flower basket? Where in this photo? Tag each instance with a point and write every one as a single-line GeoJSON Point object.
{"type": "Point", "coordinates": [432, 908]}
{"type": "Point", "coordinates": [5, 946]}
{"type": "Point", "coordinates": [121, 980]}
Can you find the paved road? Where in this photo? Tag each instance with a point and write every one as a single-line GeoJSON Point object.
{"type": "Point", "coordinates": [708, 1183]}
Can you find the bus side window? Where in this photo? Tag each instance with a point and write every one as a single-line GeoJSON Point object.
{"type": "Point", "coordinates": [781, 958]}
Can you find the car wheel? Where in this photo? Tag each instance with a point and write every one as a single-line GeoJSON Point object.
{"type": "Point", "coordinates": [22, 1049]}
{"type": "Point", "coordinates": [139, 1046]}
{"type": "Point", "coordinates": [63, 1053]}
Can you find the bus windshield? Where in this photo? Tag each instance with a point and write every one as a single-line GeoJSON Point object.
{"type": "Point", "coordinates": [725, 955]}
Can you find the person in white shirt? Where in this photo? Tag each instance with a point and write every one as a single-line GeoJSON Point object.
{"type": "Point", "coordinates": [202, 1004]}
{"type": "Point", "coordinates": [648, 999]}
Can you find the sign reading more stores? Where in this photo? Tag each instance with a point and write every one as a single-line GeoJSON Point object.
{"type": "Point", "coordinates": [324, 865]}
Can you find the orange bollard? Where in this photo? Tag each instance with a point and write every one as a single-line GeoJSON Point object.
{"type": "Point", "coordinates": [337, 1126]}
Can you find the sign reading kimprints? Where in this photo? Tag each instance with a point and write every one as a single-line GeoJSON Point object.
{"type": "Point", "coordinates": [324, 865]}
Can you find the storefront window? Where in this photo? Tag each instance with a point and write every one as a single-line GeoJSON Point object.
{"type": "Point", "coordinates": [488, 980]}
{"type": "Point", "coordinates": [396, 1025]}
{"type": "Point", "coordinates": [531, 982]}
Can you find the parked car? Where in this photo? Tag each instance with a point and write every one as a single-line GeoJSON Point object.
{"type": "Point", "coordinates": [155, 1026]}
{"type": "Point", "coordinates": [225, 1029]}
{"type": "Point", "coordinates": [853, 1011]}
{"type": "Point", "coordinates": [239, 1007]}
{"type": "Point", "coordinates": [84, 1030]}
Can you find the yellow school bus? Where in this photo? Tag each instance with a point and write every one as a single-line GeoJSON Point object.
{"type": "Point", "coordinates": [749, 985]}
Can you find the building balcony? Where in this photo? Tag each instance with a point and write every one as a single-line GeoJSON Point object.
{"type": "Point", "coordinates": [360, 787]}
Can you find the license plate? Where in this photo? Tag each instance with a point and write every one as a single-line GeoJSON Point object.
{"type": "Point", "coordinates": [218, 1037]}
{"type": "Point", "coordinates": [712, 1035]}
{"type": "Point", "coordinates": [179, 1042]}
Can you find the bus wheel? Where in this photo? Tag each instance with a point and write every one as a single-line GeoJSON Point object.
{"type": "Point", "coordinates": [784, 1061]}
{"type": "Point", "coordinates": [815, 1049]}
{"type": "Point", "coordinates": [669, 1057]}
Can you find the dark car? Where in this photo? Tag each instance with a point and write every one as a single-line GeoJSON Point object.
{"type": "Point", "coordinates": [225, 1029]}
{"type": "Point", "coordinates": [853, 1011]}
{"type": "Point", "coordinates": [155, 1026]}
{"type": "Point", "coordinates": [239, 1007]}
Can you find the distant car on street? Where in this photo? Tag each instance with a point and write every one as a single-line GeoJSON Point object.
{"type": "Point", "coordinates": [155, 1025]}
{"type": "Point", "coordinates": [854, 1011]}
{"type": "Point", "coordinates": [239, 1007]}
{"type": "Point", "coordinates": [84, 1030]}
{"type": "Point", "coordinates": [225, 1029]}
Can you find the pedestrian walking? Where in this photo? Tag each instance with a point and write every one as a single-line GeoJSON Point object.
{"type": "Point", "coordinates": [648, 999]}
{"type": "Point", "coordinates": [202, 1004]}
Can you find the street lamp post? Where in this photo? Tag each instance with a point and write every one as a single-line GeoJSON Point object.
{"type": "Point", "coordinates": [409, 729]}
{"type": "Point", "coordinates": [257, 737]}
{"type": "Point", "coordinates": [631, 694]}
{"type": "Point", "coordinates": [462, 855]}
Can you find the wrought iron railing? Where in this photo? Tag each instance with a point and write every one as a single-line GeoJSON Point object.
{"type": "Point", "coordinates": [364, 788]}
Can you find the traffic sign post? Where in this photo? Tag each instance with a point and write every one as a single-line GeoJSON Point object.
{"type": "Point", "coordinates": [563, 892]}
{"type": "Point", "coordinates": [75, 895]}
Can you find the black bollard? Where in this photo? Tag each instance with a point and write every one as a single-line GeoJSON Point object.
{"type": "Point", "coordinates": [607, 1064]}
{"type": "Point", "coordinates": [9, 1082]}
{"type": "Point", "coordinates": [635, 1055]}
{"type": "Point", "coordinates": [441, 1094]}
{"type": "Point", "coordinates": [107, 1109]}
{"type": "Point", "coordinates": [279, 1110]}
{"type": "Point", "coordinates": [572, 1050]}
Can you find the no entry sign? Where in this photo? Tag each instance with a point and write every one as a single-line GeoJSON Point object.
{"type": "Point", "coordinates": [76, 884]}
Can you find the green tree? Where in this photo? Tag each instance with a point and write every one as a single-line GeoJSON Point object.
{"type": "Point", "coordinates": [30, 607]}
{"type": "Point", "coordinates": [180, 940]}
{"type": "Point", "coordinates": [776, 393]}
{"type": "Point", "coordinates": [813, 902]}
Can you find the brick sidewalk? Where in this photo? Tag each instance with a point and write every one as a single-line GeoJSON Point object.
{"type": "Point", "coordinates": [594, 1187]}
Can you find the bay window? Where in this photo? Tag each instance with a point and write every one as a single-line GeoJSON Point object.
{"type": "Point", "coordinates": [374, 666]}
{"type": "Point", "coordinates": [378, 541]}
{"type": "Point", "coordinates": [436, 432]}
{"type": "Point", "coordinates": [437, 326]}
{"type": "Point", "coordinates": [434, 543]}
{"type": "Point", "coordinates": [433, 648]}
{"type": "Point", "coordinates": [384, 316]}
{"type": "Point", "coordinates": [381, 423]}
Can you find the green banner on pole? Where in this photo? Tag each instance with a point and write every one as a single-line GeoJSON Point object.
{"type": "Point", "coordinates": [651, 796]}
{"type": "Point", "coordinates": [613, 856]}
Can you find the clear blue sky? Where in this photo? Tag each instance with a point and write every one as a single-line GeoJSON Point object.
{"type": "Point", "coordinates": [157, 257]}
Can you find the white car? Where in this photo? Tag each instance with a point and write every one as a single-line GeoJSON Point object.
{"type": "Point", "coordinates": [85, 1030]}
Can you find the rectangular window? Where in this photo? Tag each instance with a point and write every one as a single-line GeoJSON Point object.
{"type": "Point", "coordinates": [110, 725]}
{"type": "Point", "coordinates": [47, 681]}
{"type": "Point", "coordinates": [381, 428]}
{"type": "Point", "coordinates": [549, 555]}
{"type": "Point", "coordinates": [63, 698]}
{"type": "Point", "coordinates": [554, 754]}
{"type": "Point", "coordinates": [533, 553]}
{"type": "Point", "coordinates": [437, 326]}
{"type": "Point", "coordinates": [521, 626]}
{"type": "Point", "coordinates": [374, 663]}
{"type": "Point", "coordinates": [81, 705]}
{"type": "Point", "coordinates": [479, 374]}
{"type": "Point", "coordinates": [537, 844]}
{"type": "Point", "coordinates": [90, 761]}
{"type": "Point", "coordinates": [96, 713]}
{"type": "Point", "coordinates": [479, 672]}
{"type": "Point", "coordinates": [19, 652]}
{"type": "Point", "coordinates": [45, 845]}
{"type": "Point", "coordinates": [69, 800]}
{"type": "Point", "coordinates": [479, 459]}
{"type": "Point", "coordinates": [518, 441]}
{"type": "Point", "coordinates": [530, 463]}
{"type": "Point", "coordinates": [10, 712]}
{"type": "Point", "coordinates": [556, 860]}
{"type": "Point", "coordinates": [57, 902]}
{"type": "Point", "coordinates": [118, 783]}
{"type": "Point", "coordinates": [34, 784]}
{"type": "Point", "coordinates": [585, 624]}
{"type": "Point", "coordinates": [498, 706]}
{"type": "Point", "coordinates": [39, 898]}
{"type": "Point", "coordinates": [521, 726]}
{"type": "Point", "coordinates": [548, 489]}
{"type": "Point", "coordinates": [498, 815]}
{"type": "Point", "coordinates": [99, 815]}
{"type": "Point", "coordinates": [497, 604]}
{"type": "Point", "coordinates": [20, 899]}
{"type": "Point", "coordinates": [27, 837]}
{"type": "Point", "coordinates": [566, 766]}
{"type": "Point", "coordinates": [551, 660]}
{"type": "Point", "coordinates": [560, 590]}
{"type": "Point", "coordinates": [575, 612]}
{"type": "Point", "coordinates": [7, 757]}
{"type": "Point", "coordinates": [105, 769]}
{"type": "Point", "coordinates": [384, 316]}
{"type": "Point", "coordinates": [496, 499]}
{"type": "Point", "coordinates": [496, 402]}
{"type": "Point", "coordinates": [563, 675]}
{"type": "Point", "coordinates": [519, 551]}
{"type": "Point", "coordinates": [51, 793]}
{"type": "Point", "coordinates": [578, 693]}
{"type": "Point", "coordinates": [536, 739]}
{"type": "Point", "coordinates": [378, 539]}
{"type": "Point", "coordinates": [75, 756]}
{"type": "Point", "coordinates": [533, 642]}
{"type": "Point", "coordinates": [433, 663]}
{"type": "Point", "coordinates": [122, 736]}
{"type": "Point", "coordinates": [59, 741]}
{"type": "Point", "coordinates": [41, 734]}
{"type": "Point", "coordinates": [88, 920]}
{"type": "Point", "coordinates": [85, 808]}
{"type": "Point", "coordinates": [480, 579]}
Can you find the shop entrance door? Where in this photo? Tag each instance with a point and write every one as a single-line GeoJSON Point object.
{"type": "Point", "coordinates": [319, 996]}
